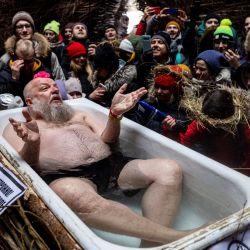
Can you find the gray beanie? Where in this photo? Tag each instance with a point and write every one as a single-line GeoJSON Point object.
{"type": "Point", "coordinates": [22, 15]}
{"type": "Point", "coordinates": [73, 85]}
{"type": "Point", "coordinates": [164, 36]}
{"type": "Point", "coordinates": [126, 45]}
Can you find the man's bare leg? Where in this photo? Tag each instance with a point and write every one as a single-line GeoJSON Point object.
{"type": "Point", "coordinates": [163, 179]}
{"type": "Point", "coordinates": [109, 215]}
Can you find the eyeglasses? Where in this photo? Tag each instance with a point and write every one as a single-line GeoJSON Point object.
{"type": "Point", "coordinates": [21, 26]}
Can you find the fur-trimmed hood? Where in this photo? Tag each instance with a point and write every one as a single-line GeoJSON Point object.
{"type": "Point", "coordinates": [41, 44]}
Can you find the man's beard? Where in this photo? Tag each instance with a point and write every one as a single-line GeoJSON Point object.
{"type": "Point", "coordinates": [53, 113]}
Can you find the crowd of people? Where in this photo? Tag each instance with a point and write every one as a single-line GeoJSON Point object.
{"type": "Point", "coordinates": [175, 57]}
{"type": "Point", "coordinates": [178, 75]}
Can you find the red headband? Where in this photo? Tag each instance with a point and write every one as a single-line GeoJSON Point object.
{"type": "Point", "coordinates": [166, 81]}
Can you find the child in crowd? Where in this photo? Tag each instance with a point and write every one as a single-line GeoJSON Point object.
{"type": "Point", "coordinates": [219, 129]}
{"type": "Point", "coordinates": [74, 88]}
{"type": "Point", "coordinates": [164, 94]}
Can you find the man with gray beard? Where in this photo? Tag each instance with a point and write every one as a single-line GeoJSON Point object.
{"type": "Point", "coordinates": [54, 114]}
{"type": "Point", "coordinates": [71, 151]}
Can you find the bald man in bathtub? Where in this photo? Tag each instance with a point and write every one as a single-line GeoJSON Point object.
{"type": "Point", "coordinates": [71, 151]}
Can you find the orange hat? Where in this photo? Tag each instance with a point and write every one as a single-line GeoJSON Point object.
{"type": "Point", "coordinates": [174, 23]}
{"type": "Point", "coordinates": [186, 71]}
{"type": "Point", "coordinates": [175, 68]}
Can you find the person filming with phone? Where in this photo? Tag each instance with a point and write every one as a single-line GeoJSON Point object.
{"type": "Point", "coordinates": [225, 42]}
{"type": "Point", "coordinates": [171, 21]}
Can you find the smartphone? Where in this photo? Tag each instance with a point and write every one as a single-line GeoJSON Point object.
{"type": "Point", "coordinates": [231, 45]}
{"type": "Point", "coordinates": [154, 10]}
{"type": "Point", "coordinates": [171, 11]}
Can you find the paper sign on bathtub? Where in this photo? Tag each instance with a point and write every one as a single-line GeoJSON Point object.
{"type": "Point", "coordinates": [11, 188]}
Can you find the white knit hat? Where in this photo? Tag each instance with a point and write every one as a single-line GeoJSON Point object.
{"type": "Point", "coordinates": [126, 45]}
{"type": "Point", "coordinates": [73, 85]}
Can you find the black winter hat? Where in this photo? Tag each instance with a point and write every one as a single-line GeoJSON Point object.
{"type": "Point", "coordinates": [164, 36]}
{"type": "Point", "coordinates": [212, 15]}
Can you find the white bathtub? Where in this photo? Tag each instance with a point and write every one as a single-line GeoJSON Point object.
{"type": "Point", "coordinates": [211, 191]}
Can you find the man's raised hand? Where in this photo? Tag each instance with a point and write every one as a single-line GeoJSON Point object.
{"type": "Point", "coordinates": [28, 131]}
{"type": "Point", "coordinates": [122, 103]}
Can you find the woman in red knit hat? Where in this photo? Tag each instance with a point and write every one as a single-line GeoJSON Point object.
{"type": "Point", "coordinates": [81, 68]}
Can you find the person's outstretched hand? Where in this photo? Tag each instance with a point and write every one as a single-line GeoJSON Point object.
{"type": "Point", "coordinates": [122, 103]}
{"type": "Point", "coordinates": [28, 131]}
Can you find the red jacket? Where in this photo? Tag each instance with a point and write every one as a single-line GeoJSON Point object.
{"type": "Point", "coordinates": [233, 151]}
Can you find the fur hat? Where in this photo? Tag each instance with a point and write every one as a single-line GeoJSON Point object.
{"type": "Point", "coordinates": [164, 36]}
{"type": "Point", "coordinates": [214, 59]}
{"type": "Point", "coordinates": [127, 46]}
{"type": "Point", "coordinates": [73, 85]}
{"type": "Point", "coordinates": [224, 30]}
{"type": "Point", "coordinates": [210, 16]}
{"type": "Point", "coordinates": [76, 49]}
{"type": "Point", "coordinates": [53, 26]}
{"type": "Point", "coordinates": [22, 15]}
{"type": "Point", "coordinates": [169, 76]}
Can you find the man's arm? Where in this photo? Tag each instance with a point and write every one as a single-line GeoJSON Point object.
{"type": "Point", "coordinates": [24, 137]}
{"type": "Point", "coordinates": [121, 103]}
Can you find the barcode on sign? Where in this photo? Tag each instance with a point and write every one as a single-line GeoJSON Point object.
{"type": "Point", "coordinates": [11, 188]}
{"type": "Point", "coordinates": [5, 189]}
{"type": "Point", "coordinates": [2, 201]}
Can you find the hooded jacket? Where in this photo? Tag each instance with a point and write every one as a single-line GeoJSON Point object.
{"type": "Point", "coordinates": [42, 51]}
{"type": "Point", "coordinates": [15, 87]}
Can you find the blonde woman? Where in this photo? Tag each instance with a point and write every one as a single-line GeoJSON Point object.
{"type": "Point", "coordinates": [81, 68]}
